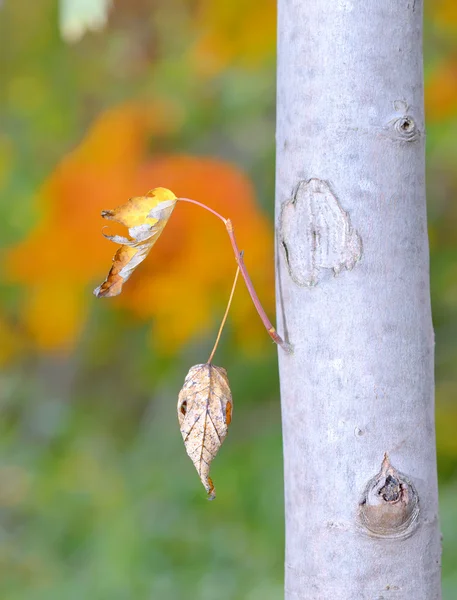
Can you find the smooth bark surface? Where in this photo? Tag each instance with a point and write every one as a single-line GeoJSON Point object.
{"type": "Point", "coordinates": [353, 299]}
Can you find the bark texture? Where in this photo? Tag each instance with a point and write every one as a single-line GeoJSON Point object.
{"type": "Point", "coordinates": [353, 299]}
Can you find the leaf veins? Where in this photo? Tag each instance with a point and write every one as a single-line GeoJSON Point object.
{"type": "Point", "coordinates": [204, 412]}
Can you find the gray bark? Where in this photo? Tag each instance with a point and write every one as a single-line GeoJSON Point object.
{"type": "Point", "coordinates": [353, 299]}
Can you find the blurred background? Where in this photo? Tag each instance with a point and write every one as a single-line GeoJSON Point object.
{"type": "Point", "coordinates": [101, 101]}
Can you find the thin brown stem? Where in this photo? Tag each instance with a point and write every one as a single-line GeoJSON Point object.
{"type": "Point", "coordinates": [203, 206]}
{"type": "Point", "coordinates": [244, 272]}
{"type": "Point", "coordinates": [239, 259]}
{"type": "Point", "coordinates": [224, 318]}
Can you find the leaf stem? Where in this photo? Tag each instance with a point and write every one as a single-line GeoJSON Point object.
{"type": "Point", "coordinates": [219, 216]}
{"type": "Point", "coordinates": [224, 318]}
{"type": "Point", "coordinates": [255, 299]}
{"type": "Point", "coordinates": [242, 267]}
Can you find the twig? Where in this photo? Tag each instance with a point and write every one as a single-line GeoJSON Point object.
{"type": "Point", "coordinates": [239, 259]}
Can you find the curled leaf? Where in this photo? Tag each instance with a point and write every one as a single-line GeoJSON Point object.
{"type": "Point", "coordinates": [145, 217]}
{"type": "Point", "coordinates": [205, 412]}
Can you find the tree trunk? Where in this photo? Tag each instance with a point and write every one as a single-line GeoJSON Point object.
{"type": "Point", "coordinates": [354, 301]}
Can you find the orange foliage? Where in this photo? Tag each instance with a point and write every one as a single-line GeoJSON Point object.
{"type": "Point", "coordinates": [184, 282]}
{"type": "Point", "coordinates": [441, 91]}
{"type": "Point", "coordinates": [239, 31]}
{"type": "Point", "coordinates": [64, 251]}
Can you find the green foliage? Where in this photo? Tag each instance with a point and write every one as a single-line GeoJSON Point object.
{"type": "Point", "coordinates": [92, 508]}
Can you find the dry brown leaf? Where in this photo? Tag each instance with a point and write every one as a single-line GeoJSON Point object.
{"type": "Point", "coordinates": [205, 412]}
{"type": "Point", "coordinates": [145, 217]}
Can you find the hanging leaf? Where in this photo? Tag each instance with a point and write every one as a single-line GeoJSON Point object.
{"type": "Point", "coordinates": [145, 217]}
{"type": "Point", "coordinates": [205, 412]}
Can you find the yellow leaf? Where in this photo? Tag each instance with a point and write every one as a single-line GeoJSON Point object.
{"type": "Point", "coordinates": [205, 412]}
{"type": "Point", "coordinates": [145, 217]}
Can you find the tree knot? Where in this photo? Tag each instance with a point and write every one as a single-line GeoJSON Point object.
{"type": "Point", "coordinates": [389, 506]}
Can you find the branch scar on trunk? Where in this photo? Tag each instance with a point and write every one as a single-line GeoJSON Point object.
{"type": "Point", "coordinates": [389, 507]}
{"type": "Point", "coordinates": [331, 243]}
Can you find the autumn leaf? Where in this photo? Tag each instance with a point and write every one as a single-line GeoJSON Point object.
{"type": "Point", "coordinates": [205, 412]}
{"type": "Point", "coordinates": [145, 217]}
